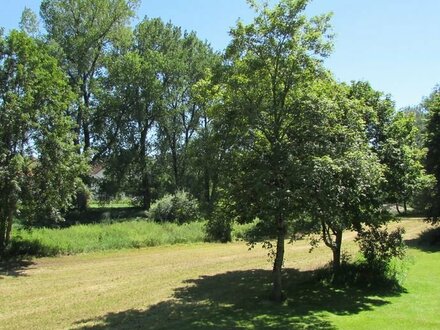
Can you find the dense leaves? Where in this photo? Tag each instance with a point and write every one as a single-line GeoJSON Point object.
{"type": "Point", "coordinates": [39, 165]}
{"type": "Point", "coordinates": [269, 63]}
{"type": "Point", "coordinates": [432, 104]}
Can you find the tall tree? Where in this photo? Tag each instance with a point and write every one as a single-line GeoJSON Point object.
{"type": "Point", "coordinates": [269, 61]}
{"type": "Point", "coordinates": [379, 114]}
{"type": "Point", "coordinates": [39, 165]}
{"type": "Point", "coordinates": [404, 160]}
{"type": "Point", "coordinates": [29, 22]}
{"type": "Point", "coordinates": [189, 60]}
{"type": "Point", "coordinates": [151, 114]}
{"type": "Point", "coordinates": [83, 30]}
{"type": "Point", "coordinates": [432, 104]}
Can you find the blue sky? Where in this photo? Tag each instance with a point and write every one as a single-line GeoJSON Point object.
{"type": "Point", "coordinates": [394, 44]}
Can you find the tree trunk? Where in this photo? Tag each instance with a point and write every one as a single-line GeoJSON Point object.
{"type": "Point", "coordinates": [175, 167]}
{"type": "Point", "coordinates": [405, 208]}
{"type": "Point", "coordinates": [277, 293]}
{"type": "Point", "coordinates": [6, 226]}
{"type": "Point", "coordinates": [2, 233]}
{"type": "Point", "coordinates": [337, 252]}
{"type": "Point", "coordinates": [86, 132]}
{"type": "Point", "coordinates": [77, 129]}
{"type": "Point", "coordinates": [206, 188]}
{"type": "Point", "coordinates": [146, 198]}
{"type": "Point", "coordinates": [9, 227]}
{"type": "Point", "coordinates": [397, 208]}
{"type": "Point", "coordinates": [145, 184]}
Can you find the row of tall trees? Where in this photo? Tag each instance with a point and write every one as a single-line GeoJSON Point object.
{"type": "Point", "coordinates": [261, 131]}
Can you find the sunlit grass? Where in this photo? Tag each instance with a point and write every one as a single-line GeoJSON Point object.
{"type": "Point", "coordinates": [211, 286]}
{"type": "Point", "coordinates": [108, 236]}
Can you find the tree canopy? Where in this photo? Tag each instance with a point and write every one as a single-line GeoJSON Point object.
{"type": "Point", "coordinates": [39, 164]}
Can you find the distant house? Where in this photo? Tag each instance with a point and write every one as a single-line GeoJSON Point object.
{"type": "Point", "coordinates": [97, 171]}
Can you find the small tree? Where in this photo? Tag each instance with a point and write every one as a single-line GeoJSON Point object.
{"type": "Point", "coordinates": [345, 178]}
{"type": "Point", "coordinates": [39, 165]}
{"type": "Point", "coordinates": [346, 194]}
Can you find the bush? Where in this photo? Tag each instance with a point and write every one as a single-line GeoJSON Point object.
{"type": "Point", "coordinates": [378, 246]}
{"type": "Point", "coordinates": [381, 251]}
{"type": "Point", "coordinates": [219, 229]}
{"type": "Point", "coordinates": [181, 208]}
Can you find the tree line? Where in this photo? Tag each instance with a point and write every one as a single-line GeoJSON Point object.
{"type": "Point", "coordinates": [260, 131]}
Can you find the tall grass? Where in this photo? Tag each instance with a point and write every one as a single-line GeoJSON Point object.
{"type": "Point", "coordinates": [100, 237]}
{"type": "Point", "coordinates": [83, 238]}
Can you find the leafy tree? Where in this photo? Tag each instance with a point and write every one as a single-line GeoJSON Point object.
{"type": "Point", "coordinates": [29, 22]}
{"type": "Point", "coordinates": [151, 115]}
{"type": "Point", "coordinates": [396, 138]}
{"type": "Point", "coordinates": [379, 112]}
{"type": "Point", "coordinates": [83, 30]}
{"type": "Point", "coordinates": [344, 183]}
{"type": "Point", "coordinates": [131, 99]}
{"type": "Point", "coordinates": [188, 61]}
{"type": "Point", "coordinates": [268, 62]}
{"type": "Point", "coordinates": [420, 121]}
{"type": "Point", "coordinates": [39, 165]}
{"type": "Point", "coordinates": [206, 151]}
{"type": "Point", "coordinates": [432, 104]}
{"type": "Point", "coordinates": [401, 153]}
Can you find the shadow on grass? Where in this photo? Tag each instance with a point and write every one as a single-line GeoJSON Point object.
{"type": "Point", "coordinates": [14, 267]}
{"type": "Point", "coordinates": [428, 241]}
{"type": "Point", "coordinates": [237, 300]}
{"type": "Point", "coordinates": [22, 248]}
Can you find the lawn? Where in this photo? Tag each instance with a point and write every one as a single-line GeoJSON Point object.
{"type": "Point", "coordinates": [210, 286]}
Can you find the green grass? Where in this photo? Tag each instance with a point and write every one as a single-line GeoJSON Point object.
{"type": "Point", "coordinates": [212, 286]}
{"type": "Point", "coordinates": [417, 308]}
{"type": "Point", "coordinates": [108, 236]}
{"type": "Point", "coordinates": [100, 237]}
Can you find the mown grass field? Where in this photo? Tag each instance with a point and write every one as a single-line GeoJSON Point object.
{"type": "Point", "coordinates": [210, 286]}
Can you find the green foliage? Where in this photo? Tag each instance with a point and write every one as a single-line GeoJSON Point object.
{"type": "Point", "coordinates": [29, 22]}
{"type": "Point", "coordinates": [432, 104]}
{"type": "Point", "coordinates": [381, 249]}
{"type": "Point", "coordinates": [344, 177]}
{"type": "Point", "coordinates": [218, 229]}
{"type": "Point", "coordinates": [82, 31]}
{"type": "Point", "coordinates": [220, 224]}
{"type": "Point", "coordinates": [180, 207]}
{"type": "Point", "coordinates": [270, 63]}
{"type": "Point", "coordinates": [405, 173]}
{"type": "Point", "coordinates": [39, 164]}
{"type": "Point", "coordinates": [100, 237]}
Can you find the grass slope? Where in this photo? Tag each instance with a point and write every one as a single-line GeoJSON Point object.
{"type": "Point", "coordinates": [209, 286]}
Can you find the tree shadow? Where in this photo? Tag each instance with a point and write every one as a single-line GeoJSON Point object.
{"type": "Point", "coordinates": [238, 299]}
{"type": "Point", "coordinates": [428, 240]}
{"type": "Point", "coordinates": [14, 267]}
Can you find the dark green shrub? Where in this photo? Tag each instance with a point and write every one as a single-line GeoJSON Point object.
{"type": "Point", "coordinates": [180, 207]}
{"type": "Point", "coordinates": [380, 249]}
{"type": "Point", "coordinates": [219, 229]}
